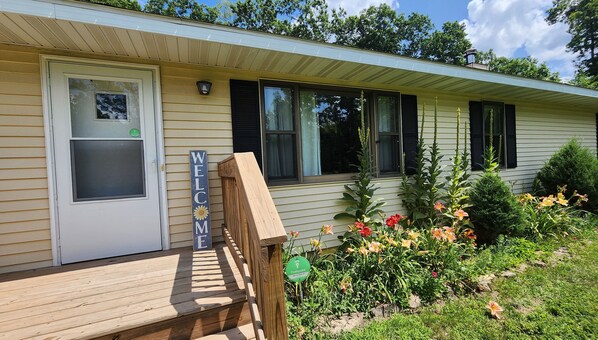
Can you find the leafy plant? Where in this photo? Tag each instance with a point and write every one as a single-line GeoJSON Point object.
{"type": "Point", "coordinates": [360, 195]}
{"type": "Point", "coordinates": [552, 215]}
{"type": "Point", "coordinates": [420, 194]}
{"type": "Point", "coordinates": [572, 166]}
{"type": "Point", "coordinates": [494, 209]}
{"type": "Point", "coordinates": [457, 194]}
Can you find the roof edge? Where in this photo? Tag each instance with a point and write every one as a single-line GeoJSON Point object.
{"type": "Point", "coordinates": [87, 13]}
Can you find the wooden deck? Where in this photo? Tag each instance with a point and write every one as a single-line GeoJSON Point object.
{"type": "Point", "coordinates": [177, 294]}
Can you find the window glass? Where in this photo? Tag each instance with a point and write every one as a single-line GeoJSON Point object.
{"type": "Point", "coordinates": [388, 115]}
{"type": "Point", "coordinates": [329, 123]}
{"type": "Point", "coordinates": [278, 103]}
{"type": "Point", "coordinates": [498, 129]}
{"type": "Point", "coordinates": [280, 133]}
{"type": "Point", "coordinates": [388, 133]}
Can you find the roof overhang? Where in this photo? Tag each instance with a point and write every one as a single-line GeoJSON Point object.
{"type": "Point", "coordinates": [78, 26]}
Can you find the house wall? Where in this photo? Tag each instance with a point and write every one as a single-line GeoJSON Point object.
{"type": "Point", "coordinates": [191, 122]}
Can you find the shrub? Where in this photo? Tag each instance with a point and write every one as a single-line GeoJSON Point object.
{"type": "Point", "coordinates": [494, 209]}
{"type": "Point", "coordinates": [572, 166]}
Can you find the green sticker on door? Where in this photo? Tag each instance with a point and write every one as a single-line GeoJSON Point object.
{"type": "Point", "coordinates": [297, 269]}
{"type": "Point", "coordinates": [134, 133]}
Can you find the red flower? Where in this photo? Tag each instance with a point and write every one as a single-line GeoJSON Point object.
{"type": "Point", "coordinates": [393, 220]}
{"type": "Point", "coordinates": [365, 231]}
{"type": "Point", "coordinates": [434, 274]}
{"type": "Point", "coordinates": [359, 225]}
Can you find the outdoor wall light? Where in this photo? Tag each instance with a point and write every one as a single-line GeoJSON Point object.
{"type": "Point", "coordinates": [204, 87]}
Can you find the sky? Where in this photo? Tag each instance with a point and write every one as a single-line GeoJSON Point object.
{"type": "Point", "coordinates": [512, 28]}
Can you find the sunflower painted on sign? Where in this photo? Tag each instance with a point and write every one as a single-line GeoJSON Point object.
{"type": "Point", "coordinates": [201, 212]}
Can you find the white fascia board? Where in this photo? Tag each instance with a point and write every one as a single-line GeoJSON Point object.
{"type": "Point", "coordinates": [102, 15]}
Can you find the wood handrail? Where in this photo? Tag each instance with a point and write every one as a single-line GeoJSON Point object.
{"type": "Point", "coordinates": [257, 233]}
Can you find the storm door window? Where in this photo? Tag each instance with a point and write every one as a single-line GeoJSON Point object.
{"type": "Point", "coordinates": [106, 142]}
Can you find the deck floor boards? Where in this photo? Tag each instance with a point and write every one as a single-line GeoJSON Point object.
{"type": "Point", "coordinates": [98, 298]}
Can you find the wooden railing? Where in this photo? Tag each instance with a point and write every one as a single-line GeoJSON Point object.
{"type": "Point", "coordinates": [254, 228]}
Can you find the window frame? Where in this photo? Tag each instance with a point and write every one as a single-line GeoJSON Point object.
{"type": "Point", "coordinates": [503, 146]}
{"type": "Point", "coordinates": [376, 133]}
{"type": "Point", "coordinates": [371, 121]}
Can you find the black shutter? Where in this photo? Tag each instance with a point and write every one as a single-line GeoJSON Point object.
{"type": "Point", "coordinates": [245, 109]}
{"type": "Point", "coordinates": [476, 128]}
{"type": "Point", "coordinates": [511, 138]}
{"type": "Point", "coordinates": [409, 126]}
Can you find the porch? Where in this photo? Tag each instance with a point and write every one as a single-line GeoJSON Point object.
{"type": "Point", "coordinates": [176, 294]}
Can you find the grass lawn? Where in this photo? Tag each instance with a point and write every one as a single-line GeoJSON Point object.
{"type": "Point", "coordinates": [554, 302]}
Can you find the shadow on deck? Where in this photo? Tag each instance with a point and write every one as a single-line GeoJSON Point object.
{"type": "Point", "coordinates": [175, 294]}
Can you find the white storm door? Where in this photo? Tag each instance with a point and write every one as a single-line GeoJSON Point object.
{"type": "Point", "coordinates": [105, 160]}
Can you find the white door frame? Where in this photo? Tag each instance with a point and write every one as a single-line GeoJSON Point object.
{"type": "Point", "coordinates": [49, 140]}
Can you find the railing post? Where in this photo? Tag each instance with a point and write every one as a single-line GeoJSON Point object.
{"type": "Point", "coordinates": [274, 314]}
{"type": "Point", "coordinates": [256, 228]}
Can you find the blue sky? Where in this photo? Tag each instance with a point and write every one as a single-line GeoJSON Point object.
{"type": "Point", "coordinates": [513, 28]}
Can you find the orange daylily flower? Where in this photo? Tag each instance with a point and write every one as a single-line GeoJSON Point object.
{"type": "Point", "coordinates": [461, 214]}
{"type": "Point", "coordinates": [413, 235]}
{"type": "Point", "coordinates": [561, 199]}
{"type": "Point", "coordinates": [437, 233]}
{"type": "Point", "coordinates": [495, 309]}
{"type": "Point", "coordinates": [547, 202]}
{"type": "Point", "coordinates": [438, 206]}
{"type": "Point", "coordinates": [363, 251]}
{"type": "Point", "coordinates": [327, 229]}
{"type": "Point", "coordinates": [294, 234]}
{"type": "Point", "coordinates": [375, 247]}
{"type": "Point", "coordinates": [350, 250]}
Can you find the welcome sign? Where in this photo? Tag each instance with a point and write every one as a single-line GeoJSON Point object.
{"type": "Point", "coordinates": [202, 234]}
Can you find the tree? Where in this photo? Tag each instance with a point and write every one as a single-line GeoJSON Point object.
{"type": "Point", "coordinates": [581, 17]}
{"type": "Point", "coordinates": [447, 45]}
{"type": "Point", "coordinates": [417, 34]}
{"type": "Point", "coordinates": [126, 4]}
{"type": "Point", "coordinates": [375, 28]}
{"type": "Point", "coordinates": [188, 9]}
{"type": "Point", "coordinates": [527, 67]}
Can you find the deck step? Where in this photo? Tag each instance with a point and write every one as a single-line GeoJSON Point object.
{"type": "Point", "coordinates": [239, 333]}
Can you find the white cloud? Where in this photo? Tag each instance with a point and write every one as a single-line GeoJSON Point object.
{"type": "Point", "coordinates": [355, 6]}
{"type": "Point", "coordinates": [507, 25]}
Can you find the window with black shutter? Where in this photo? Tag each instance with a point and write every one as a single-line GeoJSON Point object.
{"type": "Point", "coordinates": [245, 111]}
{"type": "Point", "coordinates": [502, 133]}
{"type": "Point", "coordinates": [409, 121]}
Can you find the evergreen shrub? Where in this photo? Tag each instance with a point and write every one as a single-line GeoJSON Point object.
{"type": "Point", "coordinates": [495, 210]}
{"type": "Point", "coordinates": [573, 166]}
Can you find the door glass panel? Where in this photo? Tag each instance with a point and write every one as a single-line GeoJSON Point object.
{"type": "Point", "coordinates": [104, 109]}
{"type": "Point", "coordinates": [107, 169]}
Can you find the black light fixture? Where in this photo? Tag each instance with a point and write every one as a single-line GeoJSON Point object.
{"type": "Point", "coordinates": [470, 56]}
{"type": "Point", "coordinates": [204, 87]}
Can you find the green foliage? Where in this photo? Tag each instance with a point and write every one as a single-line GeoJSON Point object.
{"type": "Point", "coordinates": [554, 302]}
{"type": "Point", "coordinates": [448, 44]}
{"type": "Point", "coordinates": [580, 16]}
{"type": "Point", "coordinates": [360, 195]}
{"type": "Point", "coordinates": [494, 209]}
{"type": "Point", "coordinates": [552, 216]}
{"type": "Point", "coordinates": [434, 186]}
{"type": "Point", "coordinates": [187, 9]}
{"type": "Point", "coordinates": [572, 166]}
{"type": "Point", "coordinates": [457, 193]}
{"type": "Point", "coordinates": [413, 191]}
{"type": "Point", "coordinates": [126, 4]}
{"type": "Point", "coordinates": [527, 67]}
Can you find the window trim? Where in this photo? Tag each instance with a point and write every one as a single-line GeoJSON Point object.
{"type": "Point", "coordinates": [371, 122]}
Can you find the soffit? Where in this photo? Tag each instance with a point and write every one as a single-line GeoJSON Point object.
{"type": "Point", "coordinates": [217, 46]}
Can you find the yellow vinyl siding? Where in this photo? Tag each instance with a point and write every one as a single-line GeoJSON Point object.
{"type": "Point", "coordinates": [192, 121]}
{"type": "Point", "coordinates": [24, 219]}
